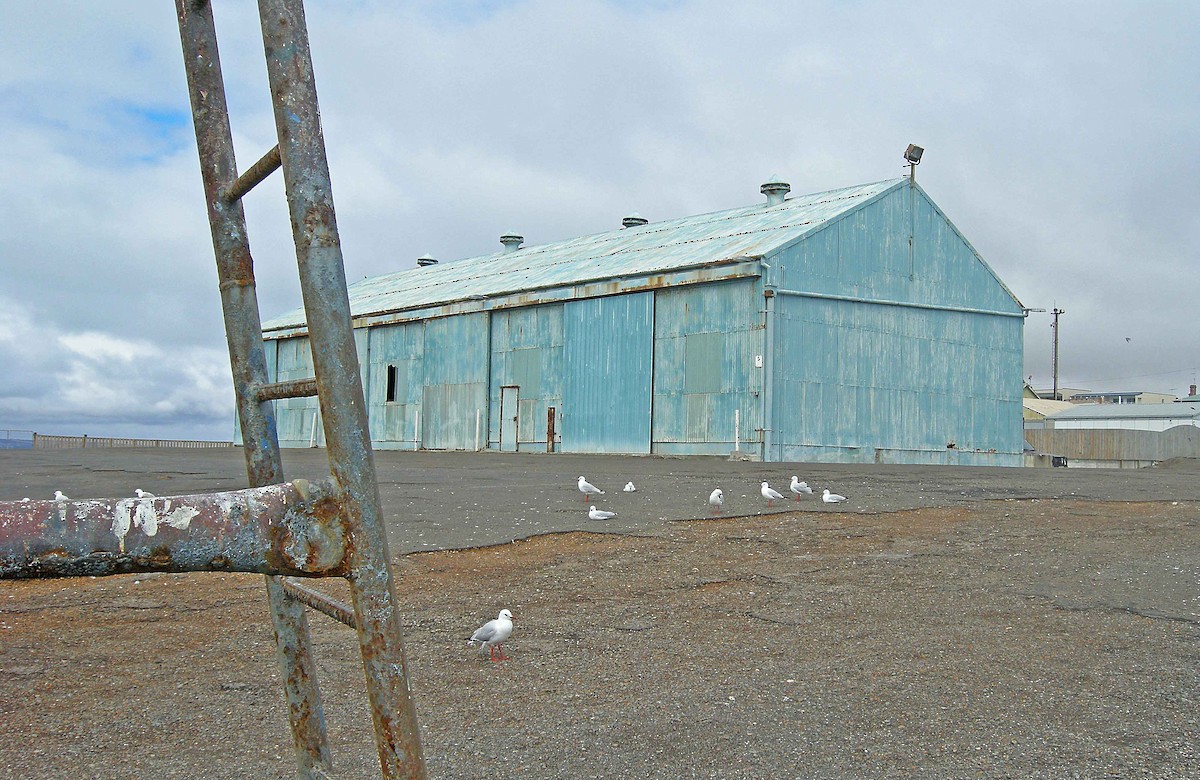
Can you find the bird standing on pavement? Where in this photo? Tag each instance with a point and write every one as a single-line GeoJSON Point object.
{"type": "Point", "coordinates": [798, 487]}
{"type": "Point", "coordinates": [588, 489]}
{"type": "Point", "coordinates": [716, 500]}
{"type": "Point", "coordinates": [60, 496]}
{"type": "Point", "coordinates": [491, 635]}
{"type": "Point", "coordinates": [770, 494]}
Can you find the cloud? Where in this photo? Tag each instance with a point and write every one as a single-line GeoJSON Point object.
{"type": "Point", "coordinates": [71, 382]}
{"type": "Point", "coordinates": [1059, 143]}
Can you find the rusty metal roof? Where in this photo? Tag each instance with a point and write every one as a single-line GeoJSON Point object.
{"type": "Point", "coordinates": [707, 239]}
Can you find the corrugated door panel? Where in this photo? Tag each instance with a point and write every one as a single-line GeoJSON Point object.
{"type": "Point", "coordinates": [401, 347]}
{"type": "Point", "coordinates": [294, 416]}
{"type": "Point", "coordinates": [607, 369]}
{"type": "Point", "coordinates": [706, 337]}
{"type": "Point", "coordinates": [456, 380]}
{"type": "Point", "coordinates": [526, 352]}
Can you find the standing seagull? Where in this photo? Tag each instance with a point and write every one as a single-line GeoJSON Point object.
{"type": "Point", "coordinates": [716, 500]}
{"type": "Point", "coordinates": [799, 487]}
{"type": "Point", "coordinates": [492, 634]}
{"type": "Point", "coordinates": [831, 498]}
{"type": "Point", "coordinates": [600, 514]}
{"type": "Point", "coordinates": [769, 494]}
{"type": "Point", "coordinates": [587, 488]}
{"type": "Point", "coordinates": [60, 496]}
{"type": "Point", "coordinates": [629, 488]}
{"type": "Point", "coordinates": [143, 494]}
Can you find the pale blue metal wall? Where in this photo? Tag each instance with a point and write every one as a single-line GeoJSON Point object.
{"type": "Point", "coordinates": [527, 352]}
{"type": "Point", "coordinates": [608, 349]}
{"type": "Point", "coordinates": [883, 335]}
{"type": "Point", "coordinates": [296, 419]}
{"type": "Point", "coordinates": [883, 356]}
{"type": "Point", "coordinates": [456, 382]}
{"type": "Point", "coordinates": [706, 337]}
{"type": "Point", "coordinates": [394, 424]}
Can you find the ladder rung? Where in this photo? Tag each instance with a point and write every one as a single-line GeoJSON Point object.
{"type": "Point", "coordinates": [295, 388]}
{"type": "Point", "coordinates": [269, 163]}
{"type": "Point", "coordinates": [320, 602]}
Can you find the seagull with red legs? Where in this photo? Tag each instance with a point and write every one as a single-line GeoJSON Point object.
{"type": "Point", "coordinates": [588, 489]}
{"type": "Point", "coordinates": [491, 635]}
{"type": "Point", "coordinates": [770, 494]}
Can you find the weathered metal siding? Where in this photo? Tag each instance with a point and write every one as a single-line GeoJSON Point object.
{"type": "Point", "coordinates": [865, 254]}
{"type": "Point", "coordinates": [705, 340]}
{"type": "Point", "coordinates": [608, 347]}
{"type": "Point", "coordinates": [456, 381]}
{"type": "Point", "coordinates": [394, 424]}
{"type": "Point", "coordinates": [527, 352]}
{"type": "Point", "coordinates": [297, 419]}
{"type": "Point", "coordinates": [879, 357]}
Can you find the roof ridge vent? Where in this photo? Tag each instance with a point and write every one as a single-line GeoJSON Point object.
{"type": "Point", "coordinates": [775, 189]}
{"type": "Point", "coordinates": [634, 220]}
{"type": "Point", "coordinates": [426, 260]}
{"type": "Point", "coordinates": [512, 241]}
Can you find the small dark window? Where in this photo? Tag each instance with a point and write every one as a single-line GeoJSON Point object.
{"type": "Point", "coordinates": [391, 384]}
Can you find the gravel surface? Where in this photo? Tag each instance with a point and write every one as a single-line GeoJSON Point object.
{"type": "Point", "coordinates": [946, 623]}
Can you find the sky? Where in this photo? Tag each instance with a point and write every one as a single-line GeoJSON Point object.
{"type": "Point", "coordinates": [1060, 137]}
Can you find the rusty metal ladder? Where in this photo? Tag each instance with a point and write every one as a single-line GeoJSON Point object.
{"type": "Point", "coordinates": [278, 529]}
{"type": "Point", "coordinates": [301, 155]}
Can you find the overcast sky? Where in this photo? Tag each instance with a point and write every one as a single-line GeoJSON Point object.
{"type": "Point", "coordinates": [1061, 138]}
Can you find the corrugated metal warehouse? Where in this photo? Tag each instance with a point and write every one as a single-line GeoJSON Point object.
{"type": "Point", "coordinates": [856, 325]}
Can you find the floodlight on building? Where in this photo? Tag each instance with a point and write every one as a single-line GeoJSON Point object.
{"type": "Point", "coordinates": [912, 156]}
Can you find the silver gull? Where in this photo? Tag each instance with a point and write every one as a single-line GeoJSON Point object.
{"type": "Point", "coordinates": [491, 635]}
{"type": "Point", "coordinates": [770, 494]}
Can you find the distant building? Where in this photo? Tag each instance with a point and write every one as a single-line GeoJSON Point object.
{"type": "Point", "coordinates": [1064, 393]}
{"type": "Point", "coordinates": [1118, 435]}
{"type": "Point", "coordinates": [856, 325]}
{"type": "Point", "coordinates": [1134, 397]}
{"type": "Point", "coordinates": [1140, 417]}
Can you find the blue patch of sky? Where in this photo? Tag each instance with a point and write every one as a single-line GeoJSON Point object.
{"type": "Point", "coordinates": [158, 131]}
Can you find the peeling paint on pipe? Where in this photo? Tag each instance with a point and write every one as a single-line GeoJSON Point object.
{"type": "Point", "coordinates": [293, 528]}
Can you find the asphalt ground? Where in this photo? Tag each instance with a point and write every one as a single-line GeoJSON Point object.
{"type": "Point", "coordinates": [942, 623]}
{"type": "Point", "coordinates": [454, 500]}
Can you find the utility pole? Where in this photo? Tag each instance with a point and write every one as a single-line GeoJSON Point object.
{"type": "Point", "coordinates": [1054, 355]}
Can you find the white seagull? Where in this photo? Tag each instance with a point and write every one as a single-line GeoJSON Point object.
{"type": "Point", "coordinates": [60, 496]}
{"type": "Point", "coordinates": [600, 514]}
{"type": "Point", "coordinates": [491, 635]}
{"type": "Point", "coordinates": [769, 493]}
{"type": "Point", "coordinates": [799, 487]}
{"type": "Point", "coordinates": [831, 498]}
{"type": "Point", "coordinates": [587, 488]}
{"type": "Point", "coordinates": [716, 500]}
{"type": "Point", "coordinates": [629, 488]}
{"type": "Point", "coordinates": [143, 494]}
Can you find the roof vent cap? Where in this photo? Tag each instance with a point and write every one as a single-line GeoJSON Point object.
{"type": "Point", "coordinates": [425, 260]}
{"type": "Point", "coordinates": [634, 220]}
{"type": "Point", "coordinates": [511, 241]}
{"type": "Point", "coordinates": [775, 189]}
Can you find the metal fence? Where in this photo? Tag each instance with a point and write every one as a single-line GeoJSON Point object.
{"type": "Point", "coordinates": [41, 441]}
{"type": "Point", "coordinates": [11, 439]}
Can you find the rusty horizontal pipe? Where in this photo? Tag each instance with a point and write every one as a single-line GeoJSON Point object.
{"type": "Point", "coordinates": [296, 528]}
{"type": "Point", "coordinates": [268, 164]}
{"type": "Point", "coordinates": [325, 604]}
{"type": "Point", "coordinates": [295, 388]}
